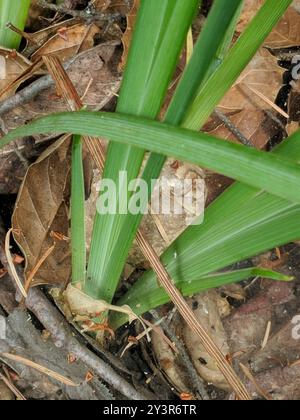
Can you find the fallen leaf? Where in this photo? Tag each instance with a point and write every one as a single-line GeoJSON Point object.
{"type": "Point", "coordinates": [40, 209]}
{"type": "Point", "coordinates": [83, 305]}
{"type": "Point", "coordinates": [37, 39]}
{"type": "Point", "coordinates": [255, 125]}
{"type": "Point", "coordinates": [12, 65]}
{"type": "Point", "coordinates": [264, 75]}
{"type": "Point", "coordinates": [68, 41]}
{"type": "Point", "coordinates": [286, 33]}
{"type": "Point", "coordinates": [246, 326]}
{"type": "Point", "coordinates": [127, 36]}
{"type": "Point", "coordinates": [282, 383]}
{"type": "Point", "coordinates": [171, 363]}
{"type": "Point", "coordinates": [206, 309]}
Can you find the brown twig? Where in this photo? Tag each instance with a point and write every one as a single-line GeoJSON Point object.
{"type": "Point", "coordinates": [43, 83]}
{"type": "Point", "coordinates": [188, 315]}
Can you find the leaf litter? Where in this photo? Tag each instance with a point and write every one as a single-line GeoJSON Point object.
{"type": "Point", "coordinates": [246, 105]}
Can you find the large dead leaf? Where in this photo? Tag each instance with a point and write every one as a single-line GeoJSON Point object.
{"type": "Point", "coordinates": [263, 75]}
{"type": "Point", "coordinates": [37, 39]}
{"type": "Point", "coordinates": [40, 209]}
{"type": "Point", "coordinates": [244, 105]}
{"type": "Point", "coordinates": [68, 41]}
{"type": "Point", "coordinates": [255, 125]}
{"type": "Point", "coordinates": [12, 65]}
{"type": "Point", "coordinates": [210, 308]}
{"type": "Point", "coordinates": [286, 33]}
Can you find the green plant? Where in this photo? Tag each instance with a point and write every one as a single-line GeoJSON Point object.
{"type": "Point", "coordinates": [250, 217]}
{"type": "Point", "coordinates": [15, 12]}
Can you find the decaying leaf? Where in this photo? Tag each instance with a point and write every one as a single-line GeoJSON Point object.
{"type": "Point", "coordinates": [282, 383]}
{"type": "Point", "coordinates": [12, 65]}
{"type": "Point", "coordinates": [84, 305]}
{"type": "Point", "coordinates": [206, 308]}
{"type": "Point", "coordinates": [209, 308]}
{"type": "Point", "coordinates": [246, 326]}
{"type": "Point", "coordinates": [286, 33]}
{"type": "Point", "coordinates": [40, 209]}
{"type": "Point", "coordinates": [281, 350]}
{"type": "Point", "coordinates": [244, 106]}
{"type": "Point", "coordinates": [68, 41]}
{"type": "Point", "coordinates": [126, 39]}
{"type": "Point", "coordinates": [264, 75]}
{"type": "Point", "coordinates": [255, 125]}
{"type": "Point", "coordinates": [171, 364]}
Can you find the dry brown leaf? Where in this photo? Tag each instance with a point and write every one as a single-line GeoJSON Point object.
{"type": "Point", "coordinates": [40, 209]}
{"type": "Point", "coordinates": [12, 65]}
{"type": "Point", "coordinates": [36, 40]}
{"type": "Point", "coordinates": [84, 305]}
{"type": "Point", "coordinates": [68, 41]}
{"type": "Point", "coordinates": [262, 74]}
{"type": "Point", "coordinates": [171, 364]}
{"type": "Point", "coordinates": [126, 39]}
{"type": "Point", "coordinates": [245, 108]}
{"type": "Point", "coordinates": [255, 125]}
{"type": "Point", "coordinates": [206, 309]}
{"type": "Point", "coordinates": [286, 33]}
{"type": "Point", "coordinates": [209, 308]}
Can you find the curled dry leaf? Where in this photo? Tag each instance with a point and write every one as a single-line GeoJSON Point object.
{"type": "Point", "coordinates": [170, 363]}
{"type": "Point", "coordinates": [83, 305]}
{"type": "Point", "coordinates": [209, 308]}
{"type": "Point", "coordinates": [206, 308]}
{"type": "Point", "coordinates": [12, 65]}
{"type": "Point", "coordinates": [41, 209]}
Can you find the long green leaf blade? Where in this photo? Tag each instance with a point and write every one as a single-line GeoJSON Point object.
{"type": "Point", "coordinates": [78, 236]}
{"type": "Point", "coordinates": [15, 12]}
{"type": "Point", "coordinates": [234, 63]}
{"type": "Point", "coordinates": [222, 19]}
{"type": "Point", "coordinates": [276, 175]}
{"type": "Point", "coordinates": [151, 296]}
{"type": "Point", "coordinates": [151, 63]}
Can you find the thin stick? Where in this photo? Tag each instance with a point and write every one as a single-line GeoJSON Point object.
{"type": "Point", "coordinates": [269, 102]}
{"type": "Point", "coordinates": [39, 368]}
{"type": "Point", "coordinates": [11, 386]}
